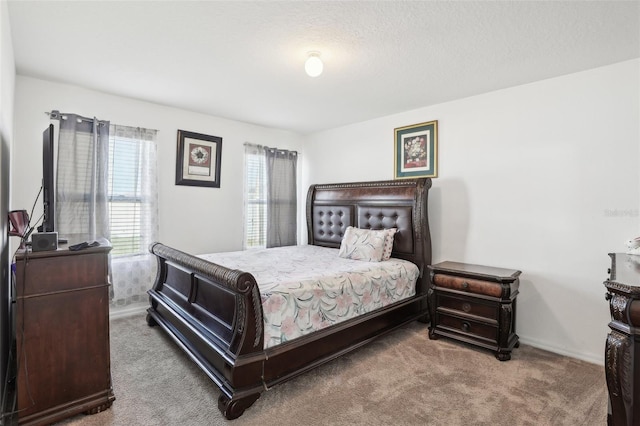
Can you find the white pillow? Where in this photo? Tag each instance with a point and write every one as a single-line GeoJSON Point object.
{"type": "Point", "coordinates": [363, 244]}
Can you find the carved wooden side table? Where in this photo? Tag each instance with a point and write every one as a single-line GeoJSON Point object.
{"type": "Point", "coordinates": [475, 304]}
{"type": "Point", "coordinates": [622, 366]}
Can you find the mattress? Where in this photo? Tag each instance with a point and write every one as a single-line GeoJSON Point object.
{"type": "Point", "coordinates": [307, 288]}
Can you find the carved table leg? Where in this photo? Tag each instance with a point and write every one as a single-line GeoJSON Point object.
{"type": "Point", "coordinates": [233, 408]}
{"type": "Point", "coordinates": [504, 330]}
{"type": "Point", "coordinates": [503, 356]}
{"type": "Point", "coordinates": [618, 373]}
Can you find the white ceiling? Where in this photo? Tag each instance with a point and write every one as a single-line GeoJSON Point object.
{"type": "Point", "coordinates": [243, 60]}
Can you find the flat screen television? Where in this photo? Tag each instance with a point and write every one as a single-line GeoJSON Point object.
{"type": "Point", "coordinates": [48, 182]}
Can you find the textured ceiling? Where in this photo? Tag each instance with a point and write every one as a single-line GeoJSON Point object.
{"type": "Point", "coordinates": [245, 60]}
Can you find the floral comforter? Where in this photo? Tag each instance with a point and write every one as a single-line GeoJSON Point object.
{"type": "Point", "coordinates": [307, 288]}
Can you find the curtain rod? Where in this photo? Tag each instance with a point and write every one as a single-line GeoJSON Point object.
{"type": "Point", "coordinates": [267, 147]}
{"type": "Point", "coordinates": [56, 115]}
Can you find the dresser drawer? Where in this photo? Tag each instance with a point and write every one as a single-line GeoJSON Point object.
{"type": "Point", "coordinates": [469, 285]}
{"type": "Point", "coordinates": [61, 272]}
{"type": "Point", "coordinates": [466, 306]}
{"type": "Point", "coordinates": [485, 331]}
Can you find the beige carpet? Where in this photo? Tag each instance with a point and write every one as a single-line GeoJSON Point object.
{"type": "Point", "coordinates": [401, 379]}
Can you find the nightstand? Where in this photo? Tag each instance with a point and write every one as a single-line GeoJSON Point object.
{"type": "Point", "coordinates": [474, 304]}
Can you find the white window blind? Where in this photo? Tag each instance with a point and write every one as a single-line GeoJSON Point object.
{"type": "Point", "coordinates": [255, 226]}
{"type": "Point", "coordinates": [132, 205]}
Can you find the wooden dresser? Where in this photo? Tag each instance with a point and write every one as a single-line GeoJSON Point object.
{"type": "Point", "coordinates": [475, 304]}
{"type": "Point", "coordinates": [622, 365]}
{"type": "Point", "coordinates": [62, 334]}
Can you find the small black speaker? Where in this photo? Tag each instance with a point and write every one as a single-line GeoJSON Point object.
{"type": "Point", "coordinates": [44, 241]}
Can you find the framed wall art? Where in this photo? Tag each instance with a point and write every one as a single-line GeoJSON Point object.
{"type": "Point", "coordinates": [416, 151]}
{"type": "Point", "coordinates": [198, 159]}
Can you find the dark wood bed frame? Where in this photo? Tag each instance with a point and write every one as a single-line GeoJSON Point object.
{"type": "Point", "coordinates": [215, 314]}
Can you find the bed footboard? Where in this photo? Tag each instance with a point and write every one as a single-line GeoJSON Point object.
{"type": "Point", "coordinates": [215, 315]}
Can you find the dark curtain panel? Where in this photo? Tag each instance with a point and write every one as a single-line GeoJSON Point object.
{"type": "Point", "coordinates": [82, 212]}
{"type": "Point", "coordinates": [282, 206]}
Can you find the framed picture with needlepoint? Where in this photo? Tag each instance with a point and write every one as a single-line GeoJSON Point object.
{"type": "Point", "coordinates": [416, 151]}
{"type": "Point", "coordinates": [198, 159]}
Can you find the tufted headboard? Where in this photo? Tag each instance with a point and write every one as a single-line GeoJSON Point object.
{"type": "Point", "coordinates": [398, 204]}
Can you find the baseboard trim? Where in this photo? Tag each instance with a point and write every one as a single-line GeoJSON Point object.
{"type": "Point", "coordinates": [127, 311]}
{"type": "Point", "coordinates": [562, 351]}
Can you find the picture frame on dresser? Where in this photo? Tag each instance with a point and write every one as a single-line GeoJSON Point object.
{"type": "Point", "coordinates": [416, 150]}
{"type": "Point", "coordinates": [198, 159]}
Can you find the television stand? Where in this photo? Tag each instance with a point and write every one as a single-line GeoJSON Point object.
{"type": "Point", "coordinates": [62, 328]}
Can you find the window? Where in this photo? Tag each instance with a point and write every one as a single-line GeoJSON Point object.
{"type": "Point", "coordinates": [106, 187]}
{"type": "Point", "coordinates": [255, 181]}
{"type": "Point", "coordinates": [132, 197]}
{"type": "Point", "coordinates": [270, 197]}
{"type": "Point", "coordinates": [132, 209]}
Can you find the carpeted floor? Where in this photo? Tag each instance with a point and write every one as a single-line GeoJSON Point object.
{"type": "Point", "coordinates": [401, 379]}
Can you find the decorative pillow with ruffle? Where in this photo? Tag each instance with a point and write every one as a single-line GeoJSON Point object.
{"type": "Point", "coordinates": [363, 244]}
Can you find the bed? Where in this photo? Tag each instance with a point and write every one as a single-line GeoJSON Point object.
{"type": "Point", "coordinates": [217, 314]}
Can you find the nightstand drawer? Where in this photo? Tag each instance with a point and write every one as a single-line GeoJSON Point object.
{"type": "Point", "coordinates": [467, 326]}
{"type": "Point", "coordinates": [489, 311]}
{"type": "Point", "coordinates": [469, 285]}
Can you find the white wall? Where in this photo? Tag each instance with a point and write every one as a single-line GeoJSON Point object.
{"type": "Point", "coordinates": [542, 177]}
{"type": "Point", "coordinates": [192, 219]}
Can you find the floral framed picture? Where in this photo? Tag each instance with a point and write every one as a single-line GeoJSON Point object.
{"type": "Point", "coordinates": [416, 150]}
{"type": "Point", "coordinates": [198, 159]}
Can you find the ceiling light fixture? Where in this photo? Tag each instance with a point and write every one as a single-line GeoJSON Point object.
{"type": "Point", "coordinates": [313, 65]}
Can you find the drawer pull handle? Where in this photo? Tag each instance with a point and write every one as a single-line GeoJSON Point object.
{"type": "Point", "coordinates": [465, 326]}
{"type": "Point", "coordinates": [466, 307]}
{"type": "Point", "coordinates": [465, 285]}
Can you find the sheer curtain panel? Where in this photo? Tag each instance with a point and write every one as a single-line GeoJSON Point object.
{"type": "Point", "coordinates": [133, 212]}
